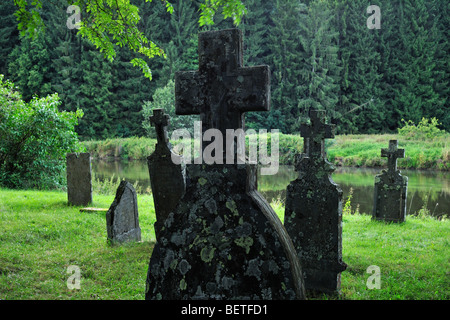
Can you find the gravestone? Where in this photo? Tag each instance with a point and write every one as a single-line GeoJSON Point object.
{"type": "Point", "coordinates": [122, 218]}
{"type": "Point", "coordinates": [313, 212]}
{"type": "Point", "coordinates": [167, 178]}
{"type": "Point", "coordinates": [390, 188]}
{"type": "Point", "coordinates": [223, 240]}
{"type": "Point", "coordinates": [79, 179]}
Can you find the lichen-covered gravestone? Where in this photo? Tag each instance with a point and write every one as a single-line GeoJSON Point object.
{"type": "Point", "coordinates": [166, 177]}
{"type": "Point", "coordinates": [313, 213]}
{"type": "Point", "coordinates": [223, 240]}
{"type": "Point", "coordinates": [79, 179]}
{"type": "Point", "coordinates": [390, 188]}
{"type": "Point", "coordinates": [122, 218]}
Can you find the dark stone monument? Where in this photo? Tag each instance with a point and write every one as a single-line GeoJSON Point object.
{"type": "Point", "coordinates": [167, 178]}
{"type": "Point", "coordinates": [122, 218]}
{"type": "Point", "coordinates": [313, 213]}
{"type": "Point", "coordinates": [79, 179]}
{"type": "Point", "coordinates": [223, 240]}
{"type": "Point", "coordinates": [390, 188]}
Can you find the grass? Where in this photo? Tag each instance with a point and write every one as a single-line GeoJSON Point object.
{"type": "Point", "coordinates": [344, 150]}
{"type": "Point", "coordinates": [41, 236]}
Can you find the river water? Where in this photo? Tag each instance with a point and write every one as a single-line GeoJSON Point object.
{"type": "Point", "coordinates": [426, 189]}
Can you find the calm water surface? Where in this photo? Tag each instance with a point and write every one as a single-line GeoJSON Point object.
{"type": "Point", "coordinates": [426, 189]}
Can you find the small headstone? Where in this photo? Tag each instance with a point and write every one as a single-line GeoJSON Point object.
{"type": "Point", "coordinates": [79, 179]}
{"type": "Point", "coordinates": [223, 240]}
{"type": "Point", "coordinates": [390, 188]}
{"type": "Point", "coordinates": [122, 218]}
{"type": "Point", "coordinates": [167, 178]}
{"type": "Point", "coordinates": [313, 212]}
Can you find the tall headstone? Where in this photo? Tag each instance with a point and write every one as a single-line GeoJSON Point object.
{"type": "Point", "coordinates": [167, 178]}
{"type": "Point", "coordinates": [223, 240]}
{"type": "Point", "coordinates": [79, 179]}
{"type": "Point", "coordinates": [390, 188]}
{"type": "Point", "coordinates": [313, 212]}
{"type": "Point", "coordinates": [122, 218]}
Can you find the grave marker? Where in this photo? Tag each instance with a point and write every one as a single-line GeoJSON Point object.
{"type": "Point", "coordinates": [313, 216]}
{"type": "Point", "coordinates": [79, 179]}
{"type": "Point", "coordinates": [223, 240]}
{"type": "Point", "coordinates": [167, 179]}
{"type": "Point", "coordinates": [122, 218]}
{"type": "Point", "coordinates": [390, 188]}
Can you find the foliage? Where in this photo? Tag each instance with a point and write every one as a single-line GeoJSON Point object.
{"type": "Point", "coordinates": [426, 129]}
{"type": "Point", "coordinates": [164, 98]}
{"type": "Point", "coordinates": [366, 79]}
{"type": "Point", "coordinates": [115, 23]}
{"type": "Point", "coordinates": [34, 139]}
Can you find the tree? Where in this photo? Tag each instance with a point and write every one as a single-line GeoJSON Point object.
{"type": "Point", "coordinates": [9, 35]}
{"type": "Point", "coordinates": [114, 23]}
{"type": "Point", "coordinates": [34, 139]}
{"type": "Point", "coordinates": [360, 106]}
{"type": "Point", "coordinates": [30, 66]}
{"type": "Point", "coordinates": [285, 62]}
{"type": "Point", "coordinates": [164, 98]}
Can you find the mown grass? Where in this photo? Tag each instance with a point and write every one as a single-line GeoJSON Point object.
{"type": "Point", "coordinates": [41, 236]}
{"type": "Point", "coordinates": [344, 150]}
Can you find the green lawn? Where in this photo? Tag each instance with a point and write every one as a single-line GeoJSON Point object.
{"type": "Point", "coordinates": [40, 237]}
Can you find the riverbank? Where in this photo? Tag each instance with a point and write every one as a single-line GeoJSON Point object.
{"type": "Point", "coordinates": [41, 236]}
{"type": "Point", "coordinates": [344, 150]}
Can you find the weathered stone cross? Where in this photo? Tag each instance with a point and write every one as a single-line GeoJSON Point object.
{"type": "Point", "coordinates": [160, 121]}
{"type": "Point", "coordinates": [392, 153]}
{"type": "Point", "coordinates": [315, 134]}
{"type": "Point", "coordinates": [222, 89]}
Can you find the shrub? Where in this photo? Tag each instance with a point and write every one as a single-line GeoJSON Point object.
{"type": "Point", "coordinates": [34, 139]}
{"type": "Point", "coordinates": [426, 129]}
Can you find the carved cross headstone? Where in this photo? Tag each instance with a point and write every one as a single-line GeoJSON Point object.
{"type": "Point", "coordinates": [314, 134]}
{"type": "Point", "coordinates": [393, 153]}
{"type": "Point", "coordinates": [160, 121]}
{"type": "Point", "coordinates": [167, 178]}
{"type": "Point", "coordinates": [390, 188]}
{"type": "Point", "coordinates": [223, 240]}
{"type": "Point", "coordinates": [313, 212]}
{"type": "Point", "coordinates": [222, 89]}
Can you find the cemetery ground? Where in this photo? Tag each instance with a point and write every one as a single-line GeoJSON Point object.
{"type": "Point", "coordinates": [41, 236]}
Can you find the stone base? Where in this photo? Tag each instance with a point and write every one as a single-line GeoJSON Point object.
{"type": "Point", "coordinates": [223, 241]}
{"type": "Point", "coordinates": [390, 194]}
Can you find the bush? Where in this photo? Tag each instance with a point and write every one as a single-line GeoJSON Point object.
{"type": "Point", "coordinates": [426, 129]}
{"type": "Point", "coordinates": [34, 139]}
{"type": "Point", "coordinates": [164, 98]}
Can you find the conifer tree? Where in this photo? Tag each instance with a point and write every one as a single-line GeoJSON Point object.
{"type": "Point", "coordinates": [285, 62]}
{"type": "Point", "coordinates": [319, 67]}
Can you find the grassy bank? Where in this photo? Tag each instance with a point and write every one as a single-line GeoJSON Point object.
{"type": "Point", "coordinates": [344, 150]}
{"type": "Point", "coordinates": [40, 237]}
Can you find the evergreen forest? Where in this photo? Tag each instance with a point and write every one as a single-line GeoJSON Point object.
{"type": "Point", "coordinates": [322, 54]}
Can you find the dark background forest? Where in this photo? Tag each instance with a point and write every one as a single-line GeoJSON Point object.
{"type": "Point", "coordinates": [321, 54]}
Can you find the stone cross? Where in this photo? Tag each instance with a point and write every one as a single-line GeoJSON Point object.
{"type": "Point", "coordinates": [167, 178]}
{"type": "Point", "coordinates": [222, 89]}
{"type": "Point", "coordinates": [313, 211]}
{"type": "Point", "coordinates": [160, 121]}
{"type": "Point", "coordinates": [223, 240]}
{"type": "Point", "coordinates": [392, 153]}
{"type": "Point", "coordinates": [315, 134]}
{"type": "Point", "coordinates": [391, 188]}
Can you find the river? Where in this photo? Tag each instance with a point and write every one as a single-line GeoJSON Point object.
{"type": "Point", "coordinates": [426, 189]}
